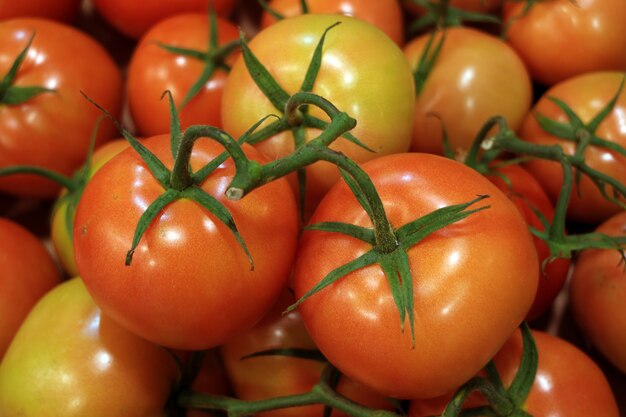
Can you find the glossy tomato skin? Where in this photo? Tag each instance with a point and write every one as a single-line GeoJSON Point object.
{"type": "Point", "coordinates": [133, 19]}
{"type": "Point", "coordinates": [188, 269]}
{"type": "Point", "coordinates": [590, 33]}
{"type": "Point", "coordinates": [153, 70]}
{"type": "Point", "coordinates": [69, 360]}
{"type": "Point", "coordinates": [586, 95]}
{"type": "Point", "coordinates": [597, 292]}
{"type": "Point", "coordinates": [568, 382]}
{"type": "Point", "coordinates": [249, 376]}
{"type": "Point", "coordinates": [60, 234]}
{"type": "Point", "coordinates": [62, 10]}
{"type": "Point", "coordinates": [476, 76]}
{"type": "Point", "coordinates": [362, 72]}
{"type": "Point", "coordinates": [473, 282]}
{"type": "Point", "coordinates": [386, 15]}
{"type": "Point", "coordinates": [528, 195]}
{"type": "Point", "coordinates": [53, 130]}
{"type": "Point", "coordinates": [28, 272]}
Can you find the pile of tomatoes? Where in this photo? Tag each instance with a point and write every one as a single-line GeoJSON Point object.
{"type": "Point", "coordinates": [181, 233]}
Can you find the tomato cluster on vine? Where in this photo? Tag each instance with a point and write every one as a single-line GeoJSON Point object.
{"type": "Point", "coordinates": [312, 207]}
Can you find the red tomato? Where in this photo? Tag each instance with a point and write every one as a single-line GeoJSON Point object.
{"type": "Point", "coordinates": [473, 281]}
{"type": "Point", "coordinates": [586, 95]}
{"type": "Point", "coordinates": [60, 233]}
{"type": "Point", "coordinates": [28, 272]}
{"type": "Point", "coordinates": [476, 76]}
{"type": "Point", "coordinates": [152, 70]}
{"type": "Point", "coordinates": [190, 285]}
{"type": "Point", "coordinates": [375, 88]}
{"type": "Point", "coordinates": [590, 35]}
{"type": "Point", "coordinates": [288, 375]}
{"type": "Point", "coordinates": [63, 10]}
{"type": "Point", "coordinates": [70, 360]}
{"type": "Point", "coordinates": [133, 19]}
{"type": "Point", "coordinates": [53, 130]}
{"type": "Point", "coordinates": [211, 379]}
{"type": "Point", "coordinates": [597, 294]}
{"type": "Point", "coordinates": [386, 15]}
{"type": "Point", "coordinates": [568, 383]}
{"type": "Point", "coordinates": [526, 192]}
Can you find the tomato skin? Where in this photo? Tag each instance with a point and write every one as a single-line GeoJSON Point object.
{"type": "Point", "coordinates": [528, 195]}
{"type": "Point", "coordinates": [152, 70]}
{"type": "Point", "coordinates": [595, 27]}
{"type": "Point", "coordinates": [383, 109]}
{"type": "Point", "coordinates": [133, 19]}
{"type": "Point", "coordinates": [288, 375]}
{"type": "Point", "coordinates": [62, 10]}
{"type": "Point", "coordinates": [597, 292]}
{"type": "Point", "coordinates": [69, 360]}
{"type": "Point", "coordinates": [473, 282]}
{"type": "Point", "coordinates": [586, 95]}
{"type": "Point", "coordinates": [59, 231]}
{"type": "Point", "coordinates": [386, 15]}
{"type": "Point", "coordinates": [476, 76]}
{"type": "Point", "coordinates": [568, 382]}
{"type": "Point", "coordinates": [188, 268]}
{"type": "Point", "coordinates": [53, 130]}
{"type": "Point", "coordinates": [28, 272]}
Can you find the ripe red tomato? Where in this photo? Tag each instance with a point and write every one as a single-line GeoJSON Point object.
{"type": "Point", "coordinates": [586, 95]}
{"type": "Point", "coordinates": [476, 76]}
{"type": "Point", "coordinates": [473, 281]}
{"type": "Point", "coordinates": [60, 233]}
{"type": "Point", "coordinates": [375, 88]}
{"type": "Point", "coordinates": [597, 292]}
{"type": "Point", "coordinates": [528, 195]}
{"type": "Point", "coordinates": [288, 375]}
{"type": "Point", "coordinates": [133, 19]}
{"type": "Point", "coordinates": [53, 129]}
{"type": "Point", "coordinates": [63, 10]}
{"type": "Point", "coordinates": [152, 70]}
{"type": "Point", "coordinates": [28, 272]}
{"type": "Point", "coordinates": [386, 15]}
{"type": "Point", "coordinates": [568, 383]}
{"type": "Point", "coordinates": [590, 35]}
{"type": "Point", "coordinates": [190, 285]}
{"type": "Point", "coordinates": [68, 359]}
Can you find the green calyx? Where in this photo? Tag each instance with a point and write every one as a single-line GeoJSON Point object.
{"type": "Point", "coordinates": [501, 401]}
{"type": "Point", "coordinates": [13, 95]}
{"type": "Point", "coordinates": [304, 9]}
{"type": "Point", "coordinates": [213, 58]}
{"type": "Point", "coordinates": [440, 14]}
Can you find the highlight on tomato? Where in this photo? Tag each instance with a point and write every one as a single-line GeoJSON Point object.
{"type": "Point", "coordinates": [473, 281]}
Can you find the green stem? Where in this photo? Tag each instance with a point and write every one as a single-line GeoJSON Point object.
{"type": "Point", "coordinates": [69, 183]}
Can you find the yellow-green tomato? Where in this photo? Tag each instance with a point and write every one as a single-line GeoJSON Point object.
{"type": "Point", "coordinates": [363, 72]}
{"type": "Point", "coordinates": [59, 229]}
{"type": "Point", "coordinates": [68, 360]}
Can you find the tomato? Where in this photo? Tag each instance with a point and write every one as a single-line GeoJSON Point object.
{"type": "Point", "coordinates": [473, 281]}
{"type": "Point", "coordinates": [190, 285]}
{"type": "Point", "coordinates": [133, 19]}
{"type": "Point", "coordinates": [528, 195]}
{"type": "Point", "coordinates": [597, 291]}
{"type": "Point", "coordinates": [68, 359]}
{"type": "Point", "coordinates": [28, 272]}
{"type": "Point", "coordinates": [586, 95]}
{"type": "Point", "coordinates": [211, 379]}
{"type": "Point", "coordinates": [362, 72]}
{"type": "Point", "coordinates": [63, 10]}
{"type": "Point", "coordinates": [386, 15]}
{"type": "Point", "coordinates": [476, 76]}
{"type": "Point", "coordinates": [568, 383]}
{"type": "Point", "coordinates": [589, 33]}
{"type": "Point", "coordinates": [152, 70]}
{"type": "Point", "coordinates": [53, 129]}
{"type": "Point", "coordinates": [60, 233]}
{"type": "Point", "coordinates": [249, 376]}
